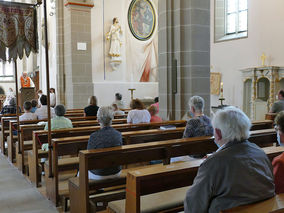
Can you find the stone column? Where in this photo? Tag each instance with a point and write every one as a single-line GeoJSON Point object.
{"type": "Point", "coordinates": [184, 55]}
{"type": "Point", "coordinates": [77, 63]}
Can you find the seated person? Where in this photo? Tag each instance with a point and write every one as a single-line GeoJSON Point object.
{"type": "Point", "coordinates": [28, 115]}
{"type": "Point", "coordinates": [104, 138]}
{"type": "Point", "coordinates": [118, 101]}
{"type": "Point", "coordinates": [116, 111]}
{"type": "Point", "coordinates": [278, 106]}
{"type": "Point", "coordinates": [156, 100]}
{"type": "Point", "coordinates": [92, 109]}
{"type": "Point", "coordinates": [200, 124]}
{"type": "Point", "coordinates": [42, 111]}
{"type": "Point", "coordinates": [60, 122]}
{"type": "Point", "coordinates": [11, 108]}
{"type": "Point", "coordinates": [278, 162]}
{"type": "Point", "coordinates": [138, 114]}
{"type": "Point", "coordinates": [34, 105]}
{"type": "Point", "coordinates": [153, 112]}
{"type": "Point", "coordinates": [223, 180]}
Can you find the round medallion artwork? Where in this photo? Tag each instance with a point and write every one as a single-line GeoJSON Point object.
{"type": "Point", "coordinates": [142, 19]}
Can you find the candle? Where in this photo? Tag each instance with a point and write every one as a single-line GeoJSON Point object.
{"type": "Point", "coordinates": [221, 90]}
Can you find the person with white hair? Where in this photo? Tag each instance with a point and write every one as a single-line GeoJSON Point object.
{"type": "Point", "coordinates": [200, 124]}
{"type": "Point", "coordinates": [104, 138]}
{"type": "Point", "coordinates": [238, 173]}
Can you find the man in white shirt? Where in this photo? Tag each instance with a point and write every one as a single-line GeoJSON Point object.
{"type": "Point", "coordinates": [28, 115]}
{"type": "Point", "coordinates": [42, 111]}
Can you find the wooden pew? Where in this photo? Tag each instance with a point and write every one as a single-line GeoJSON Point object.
{"type": "Point", "coordinates": [258, 125]}
{"type": "Point", "coordinates": [148, 181]}
{"type": "Point", "coordinates": [103, 158]}
{"type": "Point", "coordinates": [33, 156]}
{"type": "Point", "coordinates": [270, 116]}
{"type": "Point", "coordinates": [4, 132]}
{"type": "Point", "coordinates": [272, 205]}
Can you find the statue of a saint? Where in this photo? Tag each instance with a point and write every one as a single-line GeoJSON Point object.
{"type": "Point", "coordinates": [115, 43]}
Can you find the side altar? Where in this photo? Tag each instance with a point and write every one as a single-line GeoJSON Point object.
{"type": "Point", "coordinates": [260, 87]}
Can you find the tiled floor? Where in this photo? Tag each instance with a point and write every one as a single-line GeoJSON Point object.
{"type": "Point", "coordinates": [17, 195]}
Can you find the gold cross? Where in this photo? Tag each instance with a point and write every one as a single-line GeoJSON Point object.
{"type": "Point", "coordinates": [263, 57]}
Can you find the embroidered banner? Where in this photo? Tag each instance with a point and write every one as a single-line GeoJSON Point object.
{"type": "Point", "coordinates": [18, 30]}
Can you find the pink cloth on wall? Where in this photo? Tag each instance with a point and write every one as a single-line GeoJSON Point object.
{"type": "Point", "coordinates": [155, 118]}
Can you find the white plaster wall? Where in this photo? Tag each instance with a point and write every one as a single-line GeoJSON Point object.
{"type": "Point", "coordinates": [265, 35]}
{"type": "Point", "coordinates": [107, 83]}
{"type": "Point", "coordinates": [105, 91]}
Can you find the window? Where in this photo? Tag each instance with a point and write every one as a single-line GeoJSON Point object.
{"type": "Point", "coordinates": [231, 19]}
{"type": "Point", "coordinates": [6, 71]}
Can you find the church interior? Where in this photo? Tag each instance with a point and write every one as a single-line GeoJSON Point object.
{"type": "Point", "coordinates": [91, 68]}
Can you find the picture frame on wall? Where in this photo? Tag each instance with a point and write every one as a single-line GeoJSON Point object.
{"type": "Point", "coordinates": [142, 19]}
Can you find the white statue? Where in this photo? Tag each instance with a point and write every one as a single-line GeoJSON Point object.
{"type": "Point", "coordinates": [115, 43]}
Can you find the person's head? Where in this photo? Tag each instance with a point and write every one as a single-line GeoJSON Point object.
{"type": "Point", "coordinates": [25, 74]}
{"type": "Point", "coordinates": [196, 104]}
{"type": "Point", "coordinates": [230, 124]}
{"type": "Point", "coordinates": [114, 107]}
{"type": "Point", "coordinates": [39, 92]}
{"type": "Point", "coordinates": [92, 100]}
{"type": "Point", "coordinates": [281, 94]}
{"type": "Point", "coordinates": [59, 110]}
{"type": "Point", "coordinates": [115, 20]}
{"type": "Point", "coordinates": [43, 100]}
{"type": "Point", "coordinates": [34, 103]}
{"type": "Point", "coordinates": [10, 89]}
{"type": "Point", "coordinates": [279, 126]}
{"type": "Point", "coordinates": [152, 110]}
{"type": "Point", "coordinates": [13, 102]}
{"type": "Point", "coordinates": [118, 96]}
{"type": "Point", "coordinates": [27, 106]}
{"type": "Point", "coordinates": [136, 104]}
{"type": "Point", "coordinates": [156, 100]}
{"type": "Point", "coordinates": [52, 90]}
{"type": "Point", "coordinates": [105, 116]}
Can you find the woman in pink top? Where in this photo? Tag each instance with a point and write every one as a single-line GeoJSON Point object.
{"type": "Point", "coordinates": [153, 112]}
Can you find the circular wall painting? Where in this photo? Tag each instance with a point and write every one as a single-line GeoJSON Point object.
{"type": "Point", "coordinates": [142, 19]}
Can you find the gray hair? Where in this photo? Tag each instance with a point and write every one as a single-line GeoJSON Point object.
{"type": "Point", "coordinates": [105, 115]}
{"type": "Point", "coordinates": [197, 103]}
{"type": "Point", "coordinates": [59, 110]}
{"type": "Point", "coordinates": [233, 123]}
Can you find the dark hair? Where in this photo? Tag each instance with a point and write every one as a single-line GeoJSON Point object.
{"type": "Point", "coordinates": [118, 96]}
{"type": "Point", "coordinates": [52, 90]}
{"type": "Point", "coordinates": [113, 20]}
{"type": "Point", "coordinates": [28, 105]}
{"type": "Point", "coordinates": [156, 99]}
{"type": "Point", "coordinates": [39, 91]}
{"type": "Point", "coordinates": [34, 103]}
{"type": "Point", "coordinates": [114, 106]}
{"type": "Point", "coordinates": [59, 110]}
{"type": "Point", "coordinates": [136, 104]}
{"type": "Point", "coordinates": [281, 92]}
{"type": "Point", "coordinates": [43, 100]}
{"type": "Point", "coordinates": [279, 121]}
{"type": "Point", "coordinates": [13, 102]}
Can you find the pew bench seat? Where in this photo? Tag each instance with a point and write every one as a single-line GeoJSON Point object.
{"type": "Point", "coordinates": [272, 205]}
{"type": "Point", "coordinates": [158, 202]}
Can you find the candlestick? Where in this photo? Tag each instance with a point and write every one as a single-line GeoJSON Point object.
{"type": "Point", "coordinates": [131, 90]}
{"type": "Point", "coordinates": [221, 91]}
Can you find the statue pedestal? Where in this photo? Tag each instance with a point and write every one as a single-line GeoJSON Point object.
{"type": "Point", "coordinates": [27, 94]}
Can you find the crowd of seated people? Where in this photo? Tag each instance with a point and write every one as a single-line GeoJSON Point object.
{"type": "Point", "coordinates": [11, 108]}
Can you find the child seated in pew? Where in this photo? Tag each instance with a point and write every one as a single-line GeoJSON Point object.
{"type": "Point", "coordinates": [278, 162]}
{"type": "Point", "coordinates": [106, 137]}
{"type": "Point", "coordinates": [153, 112]}
{"type": "Point", "coordinates": [28, 115]}
{"type": "Point", "coordinates": [116, 110]}
{"type": "Point", "coordinates": [34, 105]}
